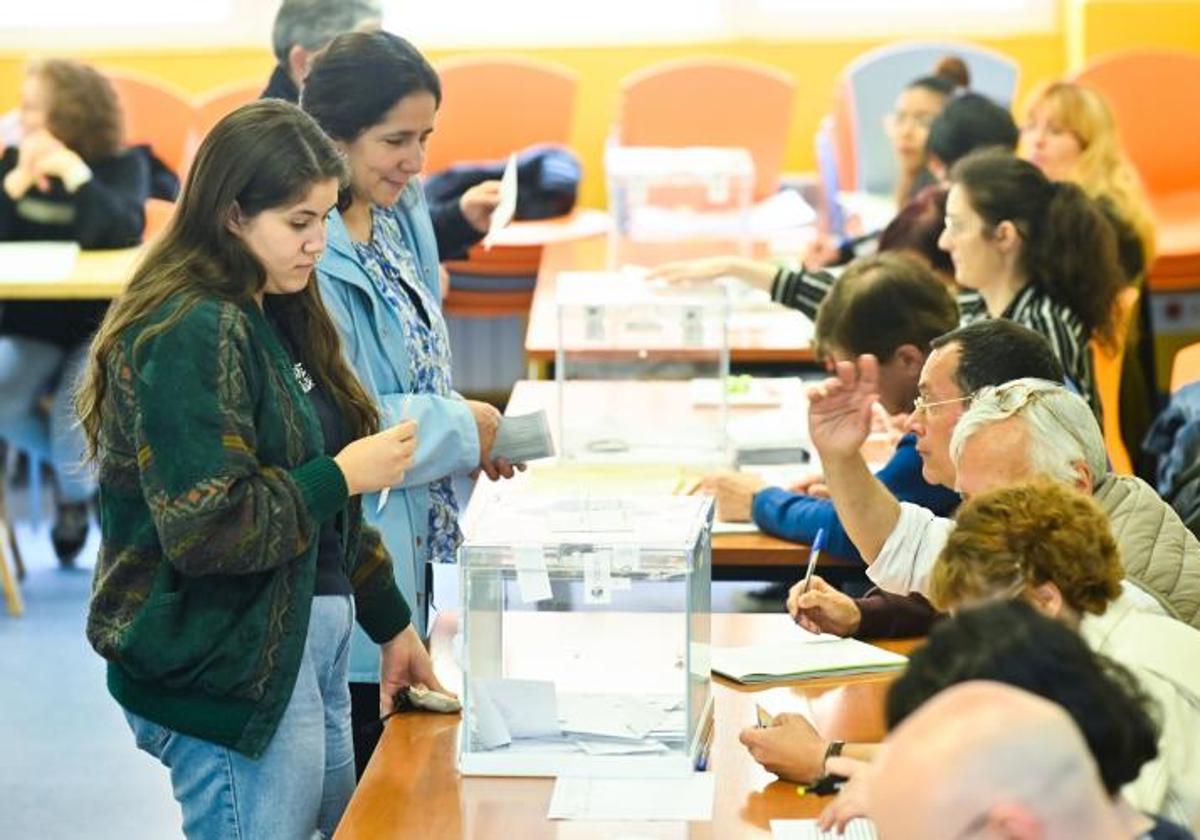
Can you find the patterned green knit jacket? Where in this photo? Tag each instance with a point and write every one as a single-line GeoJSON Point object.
{"type": "Point", "coordinates": [213, 486]}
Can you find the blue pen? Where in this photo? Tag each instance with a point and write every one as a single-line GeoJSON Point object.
{"type": "Point", "coordinates": [813, 554]}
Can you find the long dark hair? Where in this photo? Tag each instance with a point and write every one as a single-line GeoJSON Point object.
{"type": "Point", "coordinates": [361, 76]}
{"type": "Point", "coordinates": [264, 155]}
{"type": "Point", "coordinates": [1069, 249]}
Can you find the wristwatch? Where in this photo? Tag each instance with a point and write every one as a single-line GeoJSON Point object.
{"type": "Point", "coordinates": [834, 748]}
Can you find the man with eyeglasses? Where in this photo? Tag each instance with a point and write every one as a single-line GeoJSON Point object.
{"type": "Point", "coordinates": [960, 362]}
{"type": "Point", "coordinates": [1012, 432]}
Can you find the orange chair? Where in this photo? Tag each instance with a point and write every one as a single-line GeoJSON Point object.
{"type": "Point", "coordinates": [493, 106]}
{"type": "Point", "coordinates": [711, 102]}
{"type": "Point", "coordinates": [156, 114]}
{"type": "Point", "coordinates": [1156, 103]}
{"type": "Point", "coordinates": [215, 104]}
{"type": "Point", "coordinates": [1107, 364]}
{"type": "Point", "coordinates": [1186, 368]}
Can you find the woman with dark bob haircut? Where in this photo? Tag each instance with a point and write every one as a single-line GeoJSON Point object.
{"type": "Point", "coordinates": [377, 97]}
{"type": "Point", "coordinates": [234, 445]}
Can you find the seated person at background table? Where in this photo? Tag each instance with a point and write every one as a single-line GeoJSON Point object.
{"type": "Point", "coordinates": [988, 760]}
{"type": "Point", "coordinates": [1053, 547]}
{"type": "Point", "coordinates": [970, 122]}
{"type": "Point", "coordinates": [305, 27]}
{"type": "Point", "coordinates": [379, 280]}
{"type": "Point", "coordinates": [889, 305]}
{"type": "Point", "coordinates": [1039, 253]}
{"type": "Point", "coordinates": [968, 358]}
{"type": "Point", "coordinates": [907, 128]}
{"type": "Point", "coordinates": [1020, 430]}
{"type": "Point", "coordinates": [234, 446]}
{"type": "Point", "coordinates": [974, 124]}
{"type": "Point", "coordinates": [69, 180]}
{"type": "Point", "coordinates": [1070, 134]}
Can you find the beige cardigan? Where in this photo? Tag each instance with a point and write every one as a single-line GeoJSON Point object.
{"type": "Point", "coordinates": [1158, 552]}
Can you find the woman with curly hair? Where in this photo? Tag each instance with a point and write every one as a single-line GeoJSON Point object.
{"type": "Point", "coordinates": [68, 180]}
{"type": "Point", "coordinates": [1053, 547]}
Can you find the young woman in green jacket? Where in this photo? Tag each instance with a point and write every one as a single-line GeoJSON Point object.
{"type": "Point", "coordinates": [233, 444]}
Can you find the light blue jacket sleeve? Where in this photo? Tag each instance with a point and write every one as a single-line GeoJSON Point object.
{"type": "Point", "coordinates": [447, 438]}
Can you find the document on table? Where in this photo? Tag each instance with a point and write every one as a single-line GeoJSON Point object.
{"type": "Point", "coordinates": [523, 438]}
{"type": "Point", "coordinates": [34, 261]}
{"type": "Point", "coordinates": [811, 656]}
{"type": "Point", "coordinates": [688, 798]}
{"type": "Point", "coordinates": [507, 208]}
{"type": "Point", "coordinates": [856, 829]}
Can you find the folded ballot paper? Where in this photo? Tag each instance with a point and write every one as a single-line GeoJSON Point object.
{"type": "Point", "coordinates": [523, 438]}
{"type": "Point", "coordinates": [809, 657]}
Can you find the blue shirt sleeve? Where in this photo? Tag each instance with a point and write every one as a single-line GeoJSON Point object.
{"type": "Point", "coordinates": [797, 517]}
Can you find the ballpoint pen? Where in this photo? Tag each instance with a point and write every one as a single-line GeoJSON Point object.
{"type": "Point", "coordinates": [813, 554]}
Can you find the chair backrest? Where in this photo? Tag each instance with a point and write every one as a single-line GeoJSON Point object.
{"type": "Point", "coordinates": [711, 102]}
{"type": "Point", "coordinates": [1155, 99]}
{"type": "Point", "coordinates": [1107, 363]}
{"type": "Point", "coordinates": [1186, 367]}
{"type": "Point", "coordinates": [156, 114]}
{"type": "Point", "coordinates": [215, 104]}
{"type": "Point", "coordinates": [493, 106]}
{"type": "Point", "coordinates": [869, 87]}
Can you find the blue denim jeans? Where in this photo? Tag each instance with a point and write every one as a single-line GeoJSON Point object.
{"type": "Point", "coordinates": [28, 368]}
{"type": "Point", "coordinates": [299, 787]}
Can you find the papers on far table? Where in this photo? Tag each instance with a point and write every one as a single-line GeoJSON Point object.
{"type": "Point", "coordinates": [35, 261]}
{"type": "Point", "coordinates": [689, 798]}
{"type": "Point", "coordinates": [810, 656]}
{"type": "Point", "coordinates": [507, 208]}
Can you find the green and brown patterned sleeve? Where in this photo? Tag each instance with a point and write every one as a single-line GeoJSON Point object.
{"type": "Point", "coordinates": [216, 507]}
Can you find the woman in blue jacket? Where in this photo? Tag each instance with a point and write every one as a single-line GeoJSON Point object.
{"type": "Point", "coordinates": [377, 96]}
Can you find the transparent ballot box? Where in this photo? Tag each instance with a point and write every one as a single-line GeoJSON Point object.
{"type": "Point", "coordinates": [585, 636]}
{"type": "Point", "coordinates": [668, 203]}
{"type": "Point", "coordinates": [628, 353]}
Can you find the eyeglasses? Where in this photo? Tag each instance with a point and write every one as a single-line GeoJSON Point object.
{"type": "Point", "coordinates": [920, 404]}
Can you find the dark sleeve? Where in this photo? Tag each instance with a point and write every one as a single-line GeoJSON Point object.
{"type": "Point", "coordinates": [802, 290]}
{"type": "Point", "coordinates": [886, 615]}
{"type": "Point", "coordinates": [8, 207]}
{"type": "Point", "coordinates": [379, 606]}
{"type": "Point", "coordinates": [110, 208]}
{"type": "Point", "coordinates": [453, 232]}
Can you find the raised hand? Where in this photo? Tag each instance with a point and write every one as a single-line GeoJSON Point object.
{"type": "Point", "coordinates": [840, 408]}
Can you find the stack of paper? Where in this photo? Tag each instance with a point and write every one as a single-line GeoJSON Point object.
{"type": "Point", "coordinates": [857, 829]}
{"type": "Point", "coordinates": [813, 656]}
{"type": "Point", "coordinates": [689, 798]}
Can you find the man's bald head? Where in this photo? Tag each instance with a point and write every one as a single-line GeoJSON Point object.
{"type": "Point", "coordinates": [988, 759]}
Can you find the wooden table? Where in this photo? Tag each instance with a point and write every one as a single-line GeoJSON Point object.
{"type": "Point", "coordinates": [745, 556]}
{"type": "Point", "coordinates": [97, 275]}
{"type": "Point", "coordinates": [412, 789]}
{"type": "Point", "coordinates": [771, 338]}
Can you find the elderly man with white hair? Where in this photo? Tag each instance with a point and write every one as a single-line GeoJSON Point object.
{"type": "Point", "coordinates": [1015, 431]}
